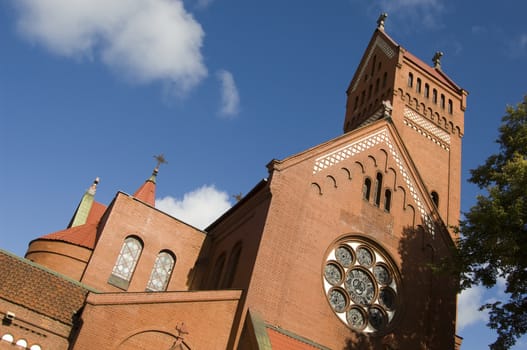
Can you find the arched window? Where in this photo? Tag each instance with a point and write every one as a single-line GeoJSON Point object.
{"type": "Point", "coordinates": [410, 80]}
{"type": "Point", "coordinates": [366, 189]}
{"type": "Point", "coordinates": [427, 91]}
{"type": "Point", "coordinates": [233, 264]}
{"type": "Point", "coordinates": [387, 200]}
{"type": "Point", "coordinates": [362, 95]}
{"type": "Point", "coordinates": [22, 343]}
{"type": "Point", "coordinates": [450, 106]}
{"type": "Point", "coordinates": [442, 101]}
{"type": "Point", "coordinates": [8, 338]}
{"type": "Point", "coordinates": [384, 79]}
{"type": "Point", "coordinates": [418, 86]}
{"type": "Point", "coordinates": [126, 261]}
{"type": "Point", "coordinates": [434, 96]}
{"type": "Point", "coordinates": [35, 347]}
{"type": "Point", "coordinates": [378, 186]}
{"type": "Point", "coordinates": [161, 272]}
{"type": "Point", "coordinates": [369, 91]}
{"type": "Point", "coordinates": [377, 85]}
{"type": "Point", "coordinates": [435, 198]}
{"type": "Point", "coordinates": [356, 102]}
{"type": "Point", "coordinates": [216, 274]}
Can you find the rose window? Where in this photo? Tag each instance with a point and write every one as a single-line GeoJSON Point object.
{"type": "Point", "coordinates": [361, 285]}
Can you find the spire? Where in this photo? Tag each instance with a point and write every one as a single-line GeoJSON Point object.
{"type": "Point", "coordinates": [147, 192]}
{"type": "Point", "coordinates": [83, 210]}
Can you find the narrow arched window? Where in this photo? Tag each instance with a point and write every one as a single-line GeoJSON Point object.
{"type": "Point", "coordinates": [369, 90]}
{"type": "Point", "coordinates": [8, 338]}
{"type": "Point", "coordinates": [434, 96]}
{"type": "Point", "coordinates": [410, 80]}
{"type": "Point", "coordinates": [384, 79]}
{"type": "Point", "coordinates": [427, 91]}
{"type": "Point", "coordinates": [216, 273]}
{"type": "Point", "coordinates": [356, 105]}
{"type": "Point", "coordinates": [378, 186]}
{"type": "Point", "coordinates": [126, 262]}
{"type": "Point", "coordinates": [161, 272]}
{"type": "Point", "coordinates": [435, 198]}
{"type": "Point", "coordinates": [442, 101]}
{"type": "Point", "coordinates": [366, 189]}
{"type": "Point", "coordinates": [450, 106]}
{"type": "Point", "coordinates": [387, 200]}
{"type": "Point", "coordinates": [418, 86]}
{"type": "Point", "coordinates": [377, 85]}
{"type": "Point", "coordinates": [233, 265]}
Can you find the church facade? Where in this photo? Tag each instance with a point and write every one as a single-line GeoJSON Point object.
{"type": "Point", "coordinates": [332, 251]}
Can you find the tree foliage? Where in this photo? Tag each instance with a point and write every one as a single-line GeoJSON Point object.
{"type": "Point", "coordinates": [493, 240]}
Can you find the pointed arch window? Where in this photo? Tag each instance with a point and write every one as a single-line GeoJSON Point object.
{"type": "Point", "coordinates": [378, 187]}
{"type": "Point", "coordinates": [216, 274]}
{"type": "Point", "coordinates": [418, 86]}
{"type": "Point", "coordinates": [442, 101]}
{"type": "Point", "coordinates": [126, 262]}
{"type": "Point", "coordinates": [450, 106]}
{"type": "Point", "coordinates": [161, 272]}
{"type": "Point", "coordinates": [427, 90]}
{"type": "Point", "coordinates": [366, 189]}
{"type": "Point", "coordinates": [387, 200]}
{"type": "Point", "coordinates": [233, 265]}
{"type": "Point", "coordinates": [410, 80]}
{"type": "Point", "coordinates": [434, 96]}
{"type": "Point", "coordinates": [384, 79]}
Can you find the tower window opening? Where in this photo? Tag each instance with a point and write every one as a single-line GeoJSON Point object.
{"type": "Point", "coordinates": [435, 198]}
{"type": "Point", "coordinates": [126, 262]}
{"type": "Point", "coordinates": [450, 106]}
{"type": "Point", "coordinates": [410, 80]}
{"type": "Point", "coordinates": [377, 85]}
{"type": "Point", "coordinates": [369, 91]}
{"type": "Point", "coordinates": [356, 104]}
{"type": "Point", "coordinates": [366, 189]}
{"type": "Point", "coordinates": [418, 86]}
{"type": "Point", "coordinates": [434, 96]}
{"type": "Point", "coordinates": [427, 90]}
{"type": "Point", "coordinates": [384, 79]}
{"type": "Point", "coordinates": [387, 200]}
{"type": "Point", "coordinates": [442, 101]}
{"type": "Point", "coordinates": [362, 95]}
{"type": "Point", "coordinates": [378, 187]}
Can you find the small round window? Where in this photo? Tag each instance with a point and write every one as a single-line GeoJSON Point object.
{"type": "Point", "coordinates": [361, 285]}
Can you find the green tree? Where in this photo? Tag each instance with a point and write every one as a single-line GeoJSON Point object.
{"type": "Point", "coordinates": [493, 240]}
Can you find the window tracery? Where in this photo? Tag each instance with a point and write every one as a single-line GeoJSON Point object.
{"type": "Point", "coordinates": [161, 272]}
{"type": "Point", "coordinates": [361, 285]}
{"type": "Point", "coordinates": [126, 262]}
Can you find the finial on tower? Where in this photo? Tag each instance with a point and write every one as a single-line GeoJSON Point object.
{"type": "Point", "coordinates": [160, 160]}
{"type": "Point", "coordinates": [437, 59]}
{"type": "Point", "coordinates": [380, 21]}
{"type": "Point", "coordinates": [93, 186]}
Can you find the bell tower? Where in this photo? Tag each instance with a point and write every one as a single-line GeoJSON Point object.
{"type": "Point", "coordinates": [426, 107]}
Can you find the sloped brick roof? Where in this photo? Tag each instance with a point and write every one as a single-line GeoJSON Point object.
{"type": "Point", "coordinates": [82, 235]}
{"type": "Point", "coordinates": [147, 193]}
{"type": "Point", "coordinates": [284, 340]}
{"type": "Point", "coordinates": [25, 283]}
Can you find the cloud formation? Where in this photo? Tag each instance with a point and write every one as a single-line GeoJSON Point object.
{"type": "Point", "coordinates": [198, 208]}
{"type": "Point", "coordinates": [230, 99]}
{"type": "Point", "coordinates": [469, 302]}
{"type": "Point", "coordinates": [154, 40]}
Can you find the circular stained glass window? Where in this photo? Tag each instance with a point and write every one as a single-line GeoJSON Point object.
{"type": "Point", "coordinates": [361, 285]}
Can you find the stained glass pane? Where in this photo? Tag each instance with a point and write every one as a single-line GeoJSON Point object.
{"type": "Point", "coordinates": [161, 272]}
{"type": "Point", "coordinates": [127, 259]}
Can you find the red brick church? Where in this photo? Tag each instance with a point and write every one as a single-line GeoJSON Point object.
{"type": "Point", "coordinates": [332, 251]}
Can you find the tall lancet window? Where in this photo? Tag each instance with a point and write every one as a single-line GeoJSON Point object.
{"type": "Point", "coordinates": [378, 187]}
{"type": "Point", "coordinates": [126, 261]}
{"type": "Point", "coordinates": [161, 272]}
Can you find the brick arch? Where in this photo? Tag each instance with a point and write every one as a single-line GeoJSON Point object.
{"type": "Point", "coordinates": [346, 172]}
{"type": "Point", "coordinates": [331, 181]}
{"type": "Point", "coordinates": [150, 339]}
{"type": "Point", "coordinates": [316, 187]}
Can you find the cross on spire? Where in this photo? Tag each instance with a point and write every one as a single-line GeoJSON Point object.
{"type": "Point", "coordinates": [160, 160]}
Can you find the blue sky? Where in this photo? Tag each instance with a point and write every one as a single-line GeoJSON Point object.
{"type": "Point", "coordinates": [220, 87]}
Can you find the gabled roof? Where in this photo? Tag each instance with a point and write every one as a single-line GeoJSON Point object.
{"type": "Point", "coordinates": [29, 285]}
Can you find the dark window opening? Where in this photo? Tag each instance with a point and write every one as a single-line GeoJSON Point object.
{"type": "Point", "coordinates": [366, 189]}
{"type": "Point", "coordinates": [378, 186]}
{"type": "Point", "coordinates": [435, 198]}
{"type": "Point", "coordinates": [387, 200]}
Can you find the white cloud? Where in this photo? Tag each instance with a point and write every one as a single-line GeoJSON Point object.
{"type": "Point", "coordinates": [469, 302]}
{"type": "Point", "coordinates": [202, 4]}
{"type": "Point", "coordinates": [198, 208]}
{"type": "Point", "coordinates": [230, 99]}
{"type": "Point", "coordinates": [145, 40]}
